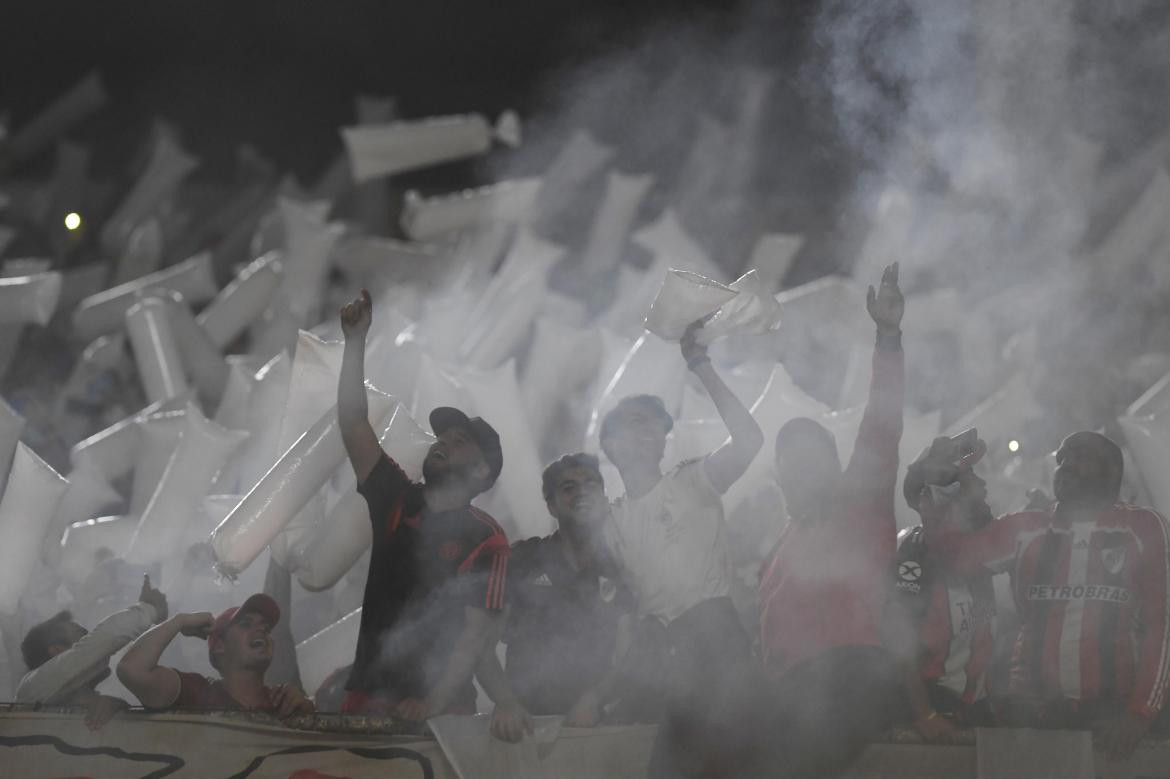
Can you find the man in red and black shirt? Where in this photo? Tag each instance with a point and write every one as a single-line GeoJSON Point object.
{"type": "Point", "coordinates": [822, 591]}
{"type": "Point", "coordinates": [941, 625]}
{"type": "Point", "coordinates": [438, 565]}
{"type": "Point", "coordinates": [239, 646]}
{"type": "Point", "coordinates": [1091, 581]}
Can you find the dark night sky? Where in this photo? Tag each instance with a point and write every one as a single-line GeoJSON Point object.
{"type": "Point", "coordinates": [281, 74]}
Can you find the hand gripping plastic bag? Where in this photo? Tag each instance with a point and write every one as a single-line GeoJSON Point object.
{"type": "Point", "coordinates": [683, 298]}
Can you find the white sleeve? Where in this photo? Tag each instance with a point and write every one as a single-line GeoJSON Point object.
{"type": "Point", "coordinates": [63, 675]}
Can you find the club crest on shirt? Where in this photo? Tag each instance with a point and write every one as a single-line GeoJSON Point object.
{"type": "Point", "coordinates": [449, 550]}
{"type": "Point", "coordinates": [542, 581]}
{"type": "Point", "coordinates": [909, 571]}
{"type": "Point", "coordinates": [607, 588]}
{"type": "Point", "coordinates": [1113, 558]}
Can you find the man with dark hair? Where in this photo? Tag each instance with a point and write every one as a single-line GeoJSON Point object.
{"type": "Point", "coordinates": [565, 605]}
{"type": "Point", "coordinates": [668, 535]}
{"type": "Point", "coordinates": [941, 625]}
{"type": "Point", "coordinates": [1091, 579]}
{"type": "Point", "coordinates": [239, 646]}
{"type": "Point", "coordinates": [435, 592]}
{"type": "Point", "coordinates": [823, 589]}
{"type": "Point", "coordinates": [66, 662]}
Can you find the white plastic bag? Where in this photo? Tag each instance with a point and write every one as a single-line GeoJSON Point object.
{"type": "Point", "coordinates": [158, 437]}
{"type": "Point", "coordinates": [424, 218]}
{"type": "Point", "coordinates": [751, 312]}
{"type": "Point", "coordinates": [29, 299]}
{"type": "Point", "coordinates": [683, 298]}
{"type": "Point", "coordinates": [112, 452]}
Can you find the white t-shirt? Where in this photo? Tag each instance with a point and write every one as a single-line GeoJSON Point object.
{"type": "Point", "coordinates": [671, 543]}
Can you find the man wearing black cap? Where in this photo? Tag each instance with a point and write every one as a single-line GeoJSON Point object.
{"type": "Point", "coordinates": [438, 565]}
{"type": "Point", "coordinates": [239, 646]}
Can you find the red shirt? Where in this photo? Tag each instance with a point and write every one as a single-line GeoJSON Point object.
{"type": "Point", "coordinates": [1093, 598]}
{"type": "Point", "coordinates": [824, 585]}
{"type": "Point", "coordinates": [199, 692]}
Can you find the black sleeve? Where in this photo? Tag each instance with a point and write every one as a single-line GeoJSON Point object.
{"type": "Point", "coordinates": [384, 485]}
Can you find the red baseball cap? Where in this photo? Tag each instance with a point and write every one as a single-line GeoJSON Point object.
{"type": "Point", "coordinates": [259, 603]}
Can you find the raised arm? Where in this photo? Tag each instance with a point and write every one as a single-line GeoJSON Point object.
{"type": "Point", "coordinates": [361, 443]}
{"type": "Point", "coordinates": [156, 685]}
{"type": "Point", "coordinates": [875, 455]}
{"type": "Point", "coordinates": [730, 461]}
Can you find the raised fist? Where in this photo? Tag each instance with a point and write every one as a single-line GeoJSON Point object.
{"type": "Point", "coordinates": [356, 316]}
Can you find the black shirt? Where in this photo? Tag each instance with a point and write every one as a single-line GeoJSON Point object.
{"type": "Point", "coordinates": [562, 625]}
{"type": "Point", "coordinates": [425, 567]}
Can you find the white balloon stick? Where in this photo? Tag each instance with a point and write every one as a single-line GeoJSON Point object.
{"type": "Point", "coordinates": [105, 312]}
{"type": "Point", "coordinates": [111, 452]}
{"type": "Point", "coordinates": [285, 489]}
{"type": "Point", "coordinates": [29, 299]}
{"type": "Point", "coordinates": [155, 351]}
{"type": "Point", "coordinates": [512, 201]}
{"type": "Point", "coordinates": [605, 246]}
{"type": "Point", "coordinates": [242, 301]}
{"type": "Point", "coordinates": [386, 149]}
{"type": "Point", "coordinates": [201, 358]}
{"type": "Point", "coordinates": [232, 411]}
{"type": "Point", "coordinates": [142, 253]}
{"type": "Point", "coordinates": [202, 450]}
{"type": "Point", "coordinates": [317, 655]}
{"type": "Point", "coordinates": [166, 169]}
{"type": "Point", "coordinates": [88, 494]}
{"type": "Point", "coordinates": [11, 429]}
{"type": "Point", "coordinates": [666, 238]}
{"type": "Point", "coordinates": [267, 397]}
{"type": "Point", "coordinates": [84, 539]}
{"type": "Point", "coordinates": [373, 262]}
{"type": "Point", "coordinates": [309, 242]}
{"type": "Point", "coordinates": [85, 97]}
{"type": "Point", "coordinates": [30, 500]}
{"type": "Point", "coordinates": [772, 256]}
{"type": "Point", "coordinates": [562, 360]}
{"type": "Point", "coordinates": [158, 437]}
{"type": "Point", "coordinates": [564, 179]}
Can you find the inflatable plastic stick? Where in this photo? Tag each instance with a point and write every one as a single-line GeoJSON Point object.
{"type": "Point", "coordinates": [105, 312]}
{"type": "Point", "coordinates": [242, 301]}
{"type": "Point", "coordinates": [507, 201]}
{"type": "Point", "coordinates": [155, 351]}
{"type": "Point", "coordinates": [167, 167]}
{"type": "Point", "coordinates": [387, 149]}
{"type": "Point", "coordinates": [158, 437]}
{"type": "Point", "coordinates": [202, 451]}
{"type": "Point", "coordinates": [29, 299]}
{"type": "Point", "coordinates": [30, 500]}
{"type": "Point", "coordinates": [11, 429]}
{"type": "Point", "coordinates": [605, 246]}
{"type": "Point", "coordinates": [200, 357]}
{"type": "Point", "coordinates": [85, 97]}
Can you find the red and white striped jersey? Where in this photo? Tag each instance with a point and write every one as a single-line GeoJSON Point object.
{"type": "Point", "coordinates": [1093, 598]}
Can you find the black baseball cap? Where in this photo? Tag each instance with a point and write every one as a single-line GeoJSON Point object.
{"type": "Point", "coordinates": [485, 436]}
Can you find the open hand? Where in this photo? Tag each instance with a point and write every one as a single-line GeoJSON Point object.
{"type": "Point", "coordinates": [197, 625]}
{"type": "Point", "coordinates": [356, 316]}
{"type": "Point", "coordinates": [586, 712]}
{"type": "Point", "coordinates": [154, 598]}
{"type": "Point", "coordinates": [1121, 734]}
{"type": "Point", "coordinates": [288, 699]}
{"type": "Point", "coordinates": [412, 709]}
{"type": "Point", "coordinates": [510, 721]}
{"type": "Point", "coordinates": [886, 305]}
{"type": "Point", "coordinates": [102, 709]}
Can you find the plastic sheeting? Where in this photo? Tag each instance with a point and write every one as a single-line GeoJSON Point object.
{"type": "Point", "coordinates": [511, 201]}
{"type": "Point", "coordinates": [29, 299]}
{"type": "Point", "coordinates": [683, 298]}
{"type": "Point", "coordinates": [30, 500]}
{"type": "Point", "coordinates": [751, 312]}
{"type": "Point", "coordinates": [333, 545]}
{"type": "Point", "coordinates": [158, 437]}
{"type": "Point", "coordinates": [605, 245]}
{"type": "Point", "coordinates": [242, 301]}
{"type": "Point", "coordinates": [285, 489]}
{"type": "Point", "coordinates": [202, 450]}
{"type": "Point", "coordinates": [155, 351]}
{"type": "Point", "coordinates": [386, 149]}
{"type": "Point", "coordinates": [104, 312]}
